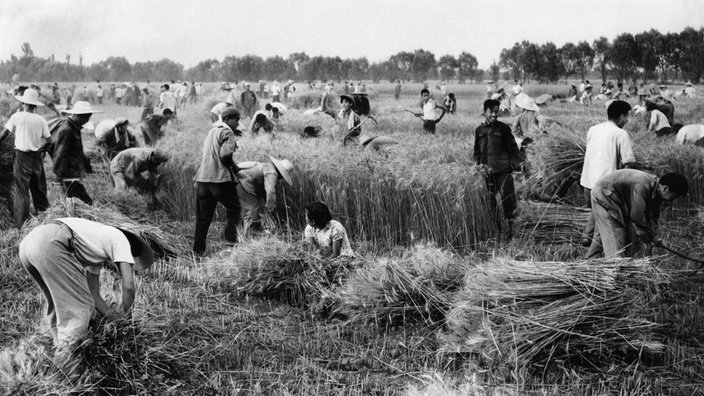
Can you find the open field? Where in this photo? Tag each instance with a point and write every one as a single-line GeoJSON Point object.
{"type": "Point", "coordinates": [419, 219]}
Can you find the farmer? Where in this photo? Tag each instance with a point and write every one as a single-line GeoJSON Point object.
{"type": "Point", "coordinates": [657, 121]}
{"type": "Point", "coordinates": [496, 156]}
{"type": "Point", "coordinates": [526, 123]}
{"type": "Point", "coordinates": [65, 256]}
{"type": "Point", "coordinates": [429, 116]}
{"type": "Point", "coordinates": [114, 136]}
{"type": "Point", "coordinates": [70, 162]}
{"type": "Point", "coordinates": [31, 131]}
{"type": "Point", "coordinates": [153, 126]}
{"type": "Point", "coordinates": [275, 110]}
{"type": "Point", "coordinates": [689, 91]}
{"type": "Point", "coordinates": [323, 233]}
{"type": "Point", "coordinates": [248, 100]}
{"type": "Point", "coordinates": [261, 121]}
{"type": "Point", "coordinates": [349, 123]}
{"type": "Point", "coordinates": [257, 188]}
{"type": "Point", "coordinates": [127, 167]}
{"type": "Point", "coordinates": [167, 101]}
{"type": "Point", "coordinates": [626, 206]}
{"type": "Point", "coordinates": [397, 89]}
{"type": "Point", "coordinates": [217, 110]}
{"type": "Point", "coordinates": [147, 104]}
{"type": "Point", "coordinates": [690, 134]}
{"type": "Point", "coordinates": [215, 181]}
{"type": "Point", "coordinates": [608, 149]}
{"type": "Point", "coordinates": [586, 98]}
{"type": "Point", "coordinates": [325, 105]}
{"type": "Point", "coordinates": [572, 93]}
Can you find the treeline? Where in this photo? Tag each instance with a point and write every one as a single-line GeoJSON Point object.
{"type": "Point", "coordinates": [645, 56]}
{"type": "Point", "coordinates": [418, 65]}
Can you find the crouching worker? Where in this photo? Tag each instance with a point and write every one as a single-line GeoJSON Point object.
{"type": "Point", "coordinates": [260, 120]}
{"type": "Point", "coordinates": [129, 167]}
{"type": "Point", "coordinates": [257, 188]}
{"type": "Point", "coordinates": [65, 258]}
{"type": "Point", "coordinates": [323, 233]}
{"type": "Point", "coordinates": [114, 136]}
{"type": "Point", "coordinates": [153, 126]}
{"type": "Point", "coordinates": [626, 207]}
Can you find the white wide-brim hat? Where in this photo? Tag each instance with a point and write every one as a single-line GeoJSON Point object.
{"type": "Point", "coordinates": [30, 97]}
{"type": "Point", "coordinates": [526, 102]}
{"type": "Point", "coordinates": [284, 167]}
{"type": "Point", "coordinates": [82, 107]}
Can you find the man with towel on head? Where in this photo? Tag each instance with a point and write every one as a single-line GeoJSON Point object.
{"type": "Point", "coordinates": [65, 256]}
{"type": "Point", "coordinates": [257, 188]}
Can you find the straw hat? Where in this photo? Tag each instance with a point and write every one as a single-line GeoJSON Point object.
{"type": "Point", "coordinates": [284, 167]}
{"type": "Point", "coordinates": [526, 102]}
{"type": "Point", "coordinates": [30, 97]}
{"type": "Point", "coordinates": [82, 107]}
{"type": "Point", "coordinates": [141, 251]}
{"type": "Point", "coordinates": [689, 83]}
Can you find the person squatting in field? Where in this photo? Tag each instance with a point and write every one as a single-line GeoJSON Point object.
{"type": "Point", "coordinates": [608, 148]}
{"type": "Point", "coordinates": [128, 167]}
{"type": "Point", "coordinates": [349, 123]}
{"type": "Point", "coordinates": [256, 188]}
{"type": "Point", "coordinates": [70, 162]}
{"type": "Point", "coordinates": [324, 234]}
{"type": "Point", "coordinates": [114, 136]}
{"type": "Point", "coordinates": [261, 120]}
{"type": "Point", "coordinates": [153, 127]}
{"type": "Point", "coordinates": [65, 256]}
{"type": "Point", "coordinates": [657, 120]}
{"type": "Point", "coordinates": [496, 156]}
{"type": "Point", "coordinates": [217, 110]}
{"type": "Point", "coordinates": [428, 115]}
{"type": "Point", "coordinates": [626, 207]}
{"type": "Point", "coordinates": [215, 180]}
{"type": "Point", "coordinates": [31, 133]}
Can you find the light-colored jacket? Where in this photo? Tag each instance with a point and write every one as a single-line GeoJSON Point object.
{"type": "Point", "coordinates": [216, 162]}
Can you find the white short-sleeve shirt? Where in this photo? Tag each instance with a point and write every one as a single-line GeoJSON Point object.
{"type": "Point", "coordinates": [608, 146]}
{"type": "Point", "coordinates": [30, 129]}
{"type": "Point", "coordinates": [96, 243]}
{"type": "Point", "coordinates": [333, 231]}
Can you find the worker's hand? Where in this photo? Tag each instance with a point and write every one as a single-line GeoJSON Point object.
{"type": "Point", "coordinates": [481, 168]}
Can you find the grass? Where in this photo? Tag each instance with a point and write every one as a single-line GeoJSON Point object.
{"type": "Point", "coordinates": [198, 328]}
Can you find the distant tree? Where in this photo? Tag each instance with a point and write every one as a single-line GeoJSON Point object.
{"type": "Point", "coordinates": [551, 67]}
{"type": "Point", "coordinates": [120, 69]}
{"type": "Point", "coordinates": [423, 64]}
{"type": "Point", "coordinates": [569, 56]}
{"type": "Point", "coordinates": [602, 56]}
{"type": "Point", "coordinates": [250, 67]}
{"type": "Point", "coordinates": [403, 62]}
{"type": "Point", "coordinates": [297, 59]}
{"type": "Point", "coordinates": [27, 51]}
{"type": "Point", "coordinates": [97, 71]}
{"type": "Point", "coordinates": [624, 55]}
{"type": "Point", "coordinates": [275, 68]}
{"type": "Point", "coordinates": [511, 60]}
{"type": "Point", "coordinates": [647, 52]}
{"type": "Point", "coordinates": [691, 56]}
{"type": "Point", "coordinates": [206, 70]}
{"type": "Point", "coordinates": [447, 67]}
{"type": "Point", "coordinates": [467, 67]}
{"type": "Point", "coordinates": [585, 58]}
{"type": "Point", "coordinates": [359, 69]}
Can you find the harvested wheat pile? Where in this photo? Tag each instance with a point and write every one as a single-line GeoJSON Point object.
{"type": "Point", "coordinates": [271, 268]}
{"type": "Point", "coordinates": [551, 222]}
{"type": "Point", "coordinates": [534, 313]}
{"type": "Point", "coordinates": [415, 288]}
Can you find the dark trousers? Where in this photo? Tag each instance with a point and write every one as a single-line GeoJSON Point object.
{"type": "Point", "coordinates": [207, 197]}
{"type": "Point", "coordinates": [28, 172]}
{"type": "Point", "coordinates": [76, 189]}
{"type": "Point", "coordinates": [502, 183]}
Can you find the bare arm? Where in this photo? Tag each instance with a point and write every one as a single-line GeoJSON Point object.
{"type": "Point", "coordinates": [94, 286]}
{"type": "Point", "coordinates": [129, 289]}
{"type": "Point", "coordinates": [336, 248]}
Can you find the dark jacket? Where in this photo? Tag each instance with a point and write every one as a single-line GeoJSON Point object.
{"type": "Point", "coordinates": [495, 146]}
{"type": "Point", "coordinates": [69, 160]}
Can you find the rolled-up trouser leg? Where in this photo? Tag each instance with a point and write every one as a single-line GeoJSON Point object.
{"type": "Point", "coordinates": [47, 255]}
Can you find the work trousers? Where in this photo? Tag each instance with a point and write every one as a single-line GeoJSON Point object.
{"type": "Point", "coordinates": [614, 233]}
{"type": "Point", "coordinates": [28, 172]}
{"type": "Point", "coordinates": [502, 184]}
{"type": "Point", "coordinates": [73, 188]}
{"type": "Point", "coordinates": [207, 197]}
{"type": "Point", "coordinates": [47, 255]}
{"type": "Point", "coordinates": [252, 208]}
{"type": "Point", "coordinates": [589, 228]}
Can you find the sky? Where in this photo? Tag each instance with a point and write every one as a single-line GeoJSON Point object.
{"type": "Point", "coordinates": [191, 31]}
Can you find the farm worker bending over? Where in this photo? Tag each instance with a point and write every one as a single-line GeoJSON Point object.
{"type": "Point", "coordinates": [324, 233]}
{"type": "Point", "coordinates": [526, 123]}
{"type": "Point", "coordinates": [249, 101]}
{"type": "Point", "coordinates": [113, 136]}
{"type": "Point", "coordinates": [217, 110]}
{"type": "Point", "coordinates": [31, 132]}
{"type": "Point", "coordinates": [65, 257]}
{"type": "Point", "coordinates": [261, 121]}
{"type": "Point", "coordinates": [429, 116]}
{"type": "Point", "coordinates": [608, 148]}
{"type": "Point", "coordinates": [128, 166]}
{"type": "Point", "coordinates": [153, 127]}
{"type": "Point", "coordinates": [496, 155]}
{"type": "Point", "coordinates": [70, 163]}
{"type": "Point", "coordinates": [626, 206]}
{"type": "Point", "coordinates": [657, 121]}
{"type": "Point", "coordinates": [257, 188]}
{"type": "Point", "coordinates": [690, 134]}
{"type": "Point", "coordinates": [215, 181]}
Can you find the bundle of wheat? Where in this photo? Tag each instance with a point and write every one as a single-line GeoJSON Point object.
{"type": "Point", "coordinates": [271, 268]}
{"type": "Point", "coordinates": [535, 313]}
{"type": "Point", "coordinates": [415, 288]}
{"type": "Point", "coordinates": [556, 163]}
{"type": "Point", "coordinates": [551, 222]}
